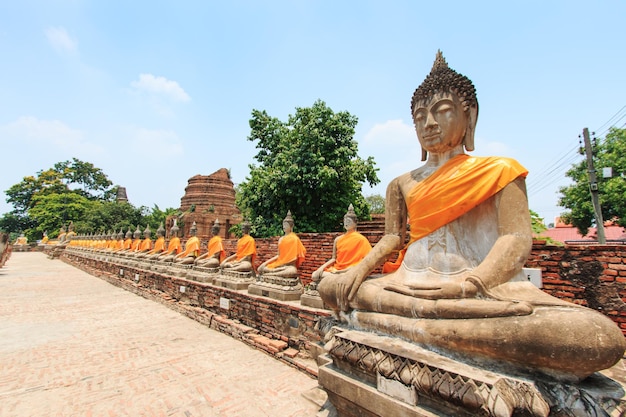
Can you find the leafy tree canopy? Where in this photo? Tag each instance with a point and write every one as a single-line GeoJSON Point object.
{"type": "Point", "coordinates": [608, 153]}
{"type": "Point", "coordinates": [309, 165]}
{"type": "Point", "coordinates": [72, 191]}
{"type": "Point", "coordinates": [376, 203]}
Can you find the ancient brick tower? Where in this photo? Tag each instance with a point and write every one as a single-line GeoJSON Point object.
{"type": "Point", "coordinates": [207, 198]}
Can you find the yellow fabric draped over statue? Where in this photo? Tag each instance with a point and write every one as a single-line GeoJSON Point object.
{"type": "Point", "coordinates": [455, 188]}
{"type": "Point", "coordinates": [192, 247]}
{"type": "Point", "coordinates": [351, 249]}
{"type": "Point", "coordinates": [246, 246]}
{"type": "Point", "coordinates": [290, 249]}
{"type": "Point", "coordinates": [215, 246]}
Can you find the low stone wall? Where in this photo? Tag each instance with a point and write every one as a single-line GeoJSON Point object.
{"type": "Point", "coordinates": [275, 326]}
{"type": "Point", "coordinates": [591, 276]}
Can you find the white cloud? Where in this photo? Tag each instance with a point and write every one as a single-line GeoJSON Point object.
{"type": "Point", "coordinates": [47, 133]}
{"type": "Point", "coordinates": [60, 39]}
{"type": "Point", "coordinates": [391, 132]}
{"type": "Point", "coordinates": [160, 85]}
{"type": "Point", "coordinates": [160, 145]}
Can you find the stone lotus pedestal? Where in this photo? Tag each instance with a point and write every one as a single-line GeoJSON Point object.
{"type": "Point", "coordinates": [178, 270]}
{"type": "Point", "coordinates": [203, 274]}
{"type": "Point", "coordinates": [370, 375]}
{"type": "Point", "coordinates": [234, 280]}
{"type": "Point", "coordinates": [278, 288]}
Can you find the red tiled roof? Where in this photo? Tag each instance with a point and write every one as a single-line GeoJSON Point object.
{"type": "Point", "coordinates": [563, 233]}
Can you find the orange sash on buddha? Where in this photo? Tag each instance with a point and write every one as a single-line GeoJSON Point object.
{"type": "Point", "coordinates": [192, 247]}
{"type": "Point", "coordinates": [351, 249]}
{"type": "Point", "coordinates": [215, 245]}
{"type": "Point", "coordinates": [290, 249]}
{"type": "Point", "coordinates": [135, 245]}
{"type": "Point", "coordinates": [454, 189]}
{"type": "Point", "coordinates": [246, 246]}
{"type": "Point", "coordinates": [146, 245]}
{"type": "Point", "coordinates": [159, 245]}
{"type": "Point", "coordinates": [174, 245]}
{"type": "Point", "coordinates": [128, 243]}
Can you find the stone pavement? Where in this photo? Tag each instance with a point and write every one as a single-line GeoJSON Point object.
{"type": "Point", "coordinates": [73, 345]}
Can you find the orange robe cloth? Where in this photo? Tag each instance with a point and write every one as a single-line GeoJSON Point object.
{"type": "Point", "coordinates": [290, 249]}
{"type": "Point", "coordinates": [351, 249]}
{"type": "Point", "coordinates": [192, 247]}
{"type": "Point", "coordinates": [135, 246]}
{"type": "Point", "coordinates": [454, 189]}
{"type": "Point", "coordinates": [215, 246]}
{"type": "Point", "coordinates": [174, 246]}
{"type": "Point", "coordinates": [128, 243]}
{"type": "Point", "coordinates": [159, 245]}
{"type": "Point", "coordinates": [146, 245]}
{"type": "Point", "coordinates": [246, 246]}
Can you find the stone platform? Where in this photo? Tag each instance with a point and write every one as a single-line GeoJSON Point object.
{"type": "Point", "coordinates": [366, 374]}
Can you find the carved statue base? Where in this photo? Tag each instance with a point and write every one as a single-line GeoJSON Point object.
{"type": "Point", "coordinates": [178, 270]}
{"type": "Point", "coordinates": [311, 298]}
{"type": "Point", "coordinates": [370, 375]}
{"type": "Point", "coordinates": [278, 288]}
{"type": "Point", "coordinates": [203, 274]}
{"type": "Point", "coordinates": [234, 280]}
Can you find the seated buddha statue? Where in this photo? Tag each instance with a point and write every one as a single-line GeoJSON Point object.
{"type": "Point", "coordinates": [45, 238]}
{"type": "Point", "coordinates": [174, 247]}
{"type": "Point", "coordinates": [159, 245]}
{"type": "Point", "coordinates": [243, 259]}
{"type": "Point", "coordinates": [290, 255]}
{"type": "Point", "coordinates": [146, 244]}
{"type": "Point", "coordinates": [457, 286]}
{"type": "Point", "coordinates": [215, 253]}
{"type": "Point", "coordinates": [21, 240]}
{"type": "Point", "coordinates": [192, 248]}
{"type": "Point", "coordinates": [134, 247]}
{"type": "Point", "coordinates": [128, 240]}
{"type": "Point", "coordinates": [348, 250]}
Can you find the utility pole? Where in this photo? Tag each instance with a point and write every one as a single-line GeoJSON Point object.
{"type": "Point", "coordinates": [593, 187]}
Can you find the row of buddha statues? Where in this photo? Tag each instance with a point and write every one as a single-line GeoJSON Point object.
{"type": "Point", "coordinates": [457, 287]}
{"type": "Point", "coordinates": [277, 277]}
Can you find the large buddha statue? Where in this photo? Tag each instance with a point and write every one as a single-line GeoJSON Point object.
{"type": "Point", "coordinates": [21, 240]}
{"type": "Point", "coordinates": [215, 253]}
{"type": "Point", "coordinates": [290, 255]}
{"type": "Point", "coordinates": [458, 285]}
{"type": "Point", "coordinates": [243, 259]}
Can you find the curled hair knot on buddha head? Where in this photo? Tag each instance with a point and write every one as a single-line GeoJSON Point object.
{"type": "Point", "coordinates": [443, 79]}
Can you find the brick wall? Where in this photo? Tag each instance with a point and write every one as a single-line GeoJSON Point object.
{"type": "Point", "coordinates": [592, 276]}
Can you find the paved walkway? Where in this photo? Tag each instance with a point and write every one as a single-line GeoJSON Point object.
{"type": "Point", "coordinates": [73, 345]}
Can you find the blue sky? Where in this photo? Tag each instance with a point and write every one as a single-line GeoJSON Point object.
{"type": "Point", "coordinates": [156, 92]}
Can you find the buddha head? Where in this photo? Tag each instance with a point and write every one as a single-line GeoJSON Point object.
{"type": "Point", "coordinates": [444, 109]}
{"type": "Point", "coordinates": [245, 227]}
{"type": "Point", "coordinates": [137, 233]}
{"type": "Point", "coordinates": [120, 234]}
{"type": "Point", "coordinates": [161, 230]}
{"type": "Point", "coordinates": [350, 219]}
{"type": "Point", "coordinates": [147, 233]}
{"type": "Point", "coordinates": [215, 230]}
{"type": "Point", "coordinates": [194, 229]}
{"type": "Point", "coordinates": [129, 233]}
{"type": "Point", "coordinates": [288, 223]}
{"type": "Point", "coordinates": [174, 230]}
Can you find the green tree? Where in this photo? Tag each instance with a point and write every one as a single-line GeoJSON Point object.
{"type": "Point", "coordinates": [376, 203]}
{"type": "Point", "coordinates": [51, 211]}
{"type": "Point", "coordinates": [608, 153]}
{"type": "Point", "coordinates": [309, 165]}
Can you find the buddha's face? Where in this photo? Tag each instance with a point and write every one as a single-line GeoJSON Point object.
{"type": "Point", "coordinates": [287, 227]}
{"type": "Point", "coordinates": [440, 123]}
{"type": "Point", "coordinates": [348, 223]}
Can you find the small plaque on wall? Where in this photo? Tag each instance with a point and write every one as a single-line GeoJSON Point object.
{"type": "Point", "coordinates": [224, 303]}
